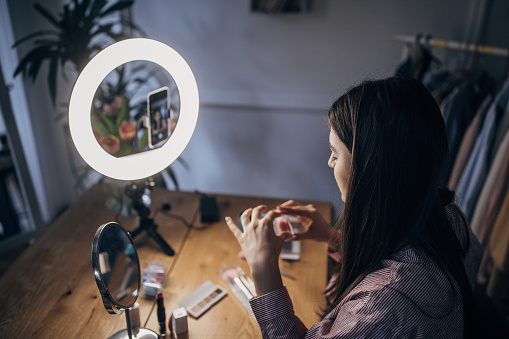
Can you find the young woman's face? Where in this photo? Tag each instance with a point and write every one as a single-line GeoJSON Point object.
{"type": "Point", "coordinates": [340, 160]}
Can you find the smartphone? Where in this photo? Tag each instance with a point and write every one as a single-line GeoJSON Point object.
{"type": "Point", "coordinates": [159, 115]}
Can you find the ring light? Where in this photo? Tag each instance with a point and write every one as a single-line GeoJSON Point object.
{"type": "Point", "coordinates": [144, 164]}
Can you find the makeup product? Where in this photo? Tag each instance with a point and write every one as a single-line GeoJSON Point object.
{"type": "Point", "coordinates": [202, 298]}
{"type": "Point", "coordinates": [291, 249]}
{"type": "Point", "coordinates": [161, 314]}
{"type": "Point", "coordinates": [283, 224]}
{"type": "Point", "coordinates": [241, 285]}
{"type": "Point", "coordinates": [134, 314]}
{"type": "Point", "coordinates": [234, 277]}
{"type": "Point", "coordinates": [150, 289]}
{"type": "Point", "coordinates": [179, 320]}
{"type": "Point", "coordinates": [156, 270]}
{"type": "Point", "coordinates": [287, 226]}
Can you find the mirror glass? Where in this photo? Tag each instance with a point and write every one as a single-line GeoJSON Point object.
{"type": "Point", "coordinates": [135, 108]}
{"type": "Point", "coordinates": [116, 267]}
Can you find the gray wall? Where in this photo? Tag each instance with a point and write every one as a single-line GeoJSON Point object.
{"type": "Point", "coordinates": [265, 83]}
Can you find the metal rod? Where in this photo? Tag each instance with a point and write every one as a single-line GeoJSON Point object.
{"type": "Point", "coordinates": [455, 45]}
{"type": "Point", "coordinates": [128, 321]}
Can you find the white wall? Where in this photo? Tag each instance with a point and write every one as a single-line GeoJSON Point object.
{"type": "Point", "coordinates": [265, 83]}
{"type": "Point", "coordinates": [49, 134]}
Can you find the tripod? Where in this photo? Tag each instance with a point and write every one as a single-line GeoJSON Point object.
{"type": "Point", "coordinates": [136, 191]}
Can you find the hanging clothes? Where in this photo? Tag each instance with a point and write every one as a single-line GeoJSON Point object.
{"type": "Point", "coordinates": [499, 250]}
{"type": "Point", "coordinates": [493, 193]}
{"type": "Point", "coordinates": [503, 126]}
{"type": "Point", "coordinates": [468, 141]}
{"type": "Point", "coordinates": [477, 167]}
{"type": "Point", "coordinates": [461, 109]}
{"type": "Point", "coordinates": [416, 63]}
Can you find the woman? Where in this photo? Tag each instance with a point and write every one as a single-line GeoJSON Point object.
{"type": "Point", "coordinates": [406, 259]}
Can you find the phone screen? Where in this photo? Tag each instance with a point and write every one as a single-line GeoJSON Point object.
{"type": "Point", "coordinates": [159, 115]}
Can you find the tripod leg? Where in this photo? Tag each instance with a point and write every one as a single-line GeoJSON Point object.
{"type": "Point", "coordinates": [161, 242]}
{"type": "Point", "coordinates": [136, 232]}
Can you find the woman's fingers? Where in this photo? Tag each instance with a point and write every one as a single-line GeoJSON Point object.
{"type": "Point", "coordinates": [297, 210]}
{"type": "Point", "coordinates": [233, 228]}
{"type": "Point", "coordinates": [270, 216]}
{"type": "Point", "coordinates": [257, 212]}
{"type": "Point", "coordinates": [245, 217]}
{"type": "Point", "coordinates": [289, 203]}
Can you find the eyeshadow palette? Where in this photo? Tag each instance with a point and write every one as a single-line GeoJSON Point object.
{"type": "Point", "coordinates": [202, 298]}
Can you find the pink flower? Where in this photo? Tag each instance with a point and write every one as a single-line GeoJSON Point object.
{"type": "Point", "coordinates": [110, 143]}
{"type": "Point", "coordinates": [108, 110]}
{"type": "Point", "coordinates": [117, 102]}
{"type": "Point", "coordinates": [112, 109]}
{"type": "Point", "coordinates": [127, 130]}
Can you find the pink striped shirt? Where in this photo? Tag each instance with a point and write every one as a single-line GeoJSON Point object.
{"type": "Point", "coordinates": [408, 297]}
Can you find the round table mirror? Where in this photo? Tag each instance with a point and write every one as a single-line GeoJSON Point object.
{"type": "Point", "coordinates": [117, 274]}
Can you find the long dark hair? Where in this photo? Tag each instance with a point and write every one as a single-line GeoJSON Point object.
{"type": "Point", "coordinates": [396, 135]}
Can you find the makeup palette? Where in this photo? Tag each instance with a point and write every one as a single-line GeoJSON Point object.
{"type": "Point", "coordinates": [202, 298]}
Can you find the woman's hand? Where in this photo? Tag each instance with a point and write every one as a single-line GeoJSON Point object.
{"type": "Point", "coordinates": [261, 247]}
{"type": "Point", "coordinates": [315, 226]}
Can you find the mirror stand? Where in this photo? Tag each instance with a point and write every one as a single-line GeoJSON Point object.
{"type": "Point", "coordinates": [136, 333]}
{"type": "Point", "coordinates": [136, 191]}
{"type": "Point", "coordinates": [117, 273]}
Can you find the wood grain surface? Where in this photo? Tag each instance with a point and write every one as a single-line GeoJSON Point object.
{"type": "Point", "coordinates": [50, 291]}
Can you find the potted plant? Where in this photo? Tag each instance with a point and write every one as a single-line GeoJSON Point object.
{"type": "Point", "coordinates": [81, 30]}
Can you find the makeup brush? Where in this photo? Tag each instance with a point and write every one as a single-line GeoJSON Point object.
{"type": "Point", "coordinates": [234, 277]}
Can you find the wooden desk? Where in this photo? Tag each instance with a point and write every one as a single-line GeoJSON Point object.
{"type": "Point", "coordinates": [50, 291]}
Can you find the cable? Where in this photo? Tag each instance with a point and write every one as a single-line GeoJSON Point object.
{"type": "Point", "coordinates": [188, 224]}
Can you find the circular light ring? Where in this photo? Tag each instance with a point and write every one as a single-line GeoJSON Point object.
{"type": "Point", "coordinates": [144, 164]}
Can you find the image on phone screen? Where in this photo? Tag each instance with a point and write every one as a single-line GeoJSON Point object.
{"type": "Point", "coordinates": [158, 103]}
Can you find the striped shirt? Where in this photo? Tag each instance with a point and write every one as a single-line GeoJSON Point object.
{"type": "Point", "coordinates": [408, 297]}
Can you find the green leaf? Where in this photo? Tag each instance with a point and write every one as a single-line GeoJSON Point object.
{"type": "Point", "coordinates": [37, 56]}
{"type": "Point", "coordinates": [123, 113]}
{"type": "Point", "coordinates": [81, 8]}
{"type": "Point", "coordinates": [95, 9]}
{"type": "Point", "coordinates": [47, 14]}
{"type": "Point", "coordinates": [143, 140]}
{"type": "Point", "coordinates": [173, 177]}
{"type": "Point", "coordinates": [108, 124]}
{"type": "Point", "coordinates": [33, 35]}
{"type": "Point", "coordinates": [184, 163]}
{"type": "Point", "coordinates": [116, 7]}
{"type": "Point", "coordinates": [46, 42]}
{"type": "Point", "coordinates": [52, 78]}
{"type": "Point", "coordinates": [102, 29]}
{"type": "Point", "coordinates": [99, 127]}
{"type": "Point", "coordinates": [125, 148]}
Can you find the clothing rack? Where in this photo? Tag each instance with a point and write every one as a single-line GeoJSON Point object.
{"type": "Point", "coordinates": [454, 45]}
